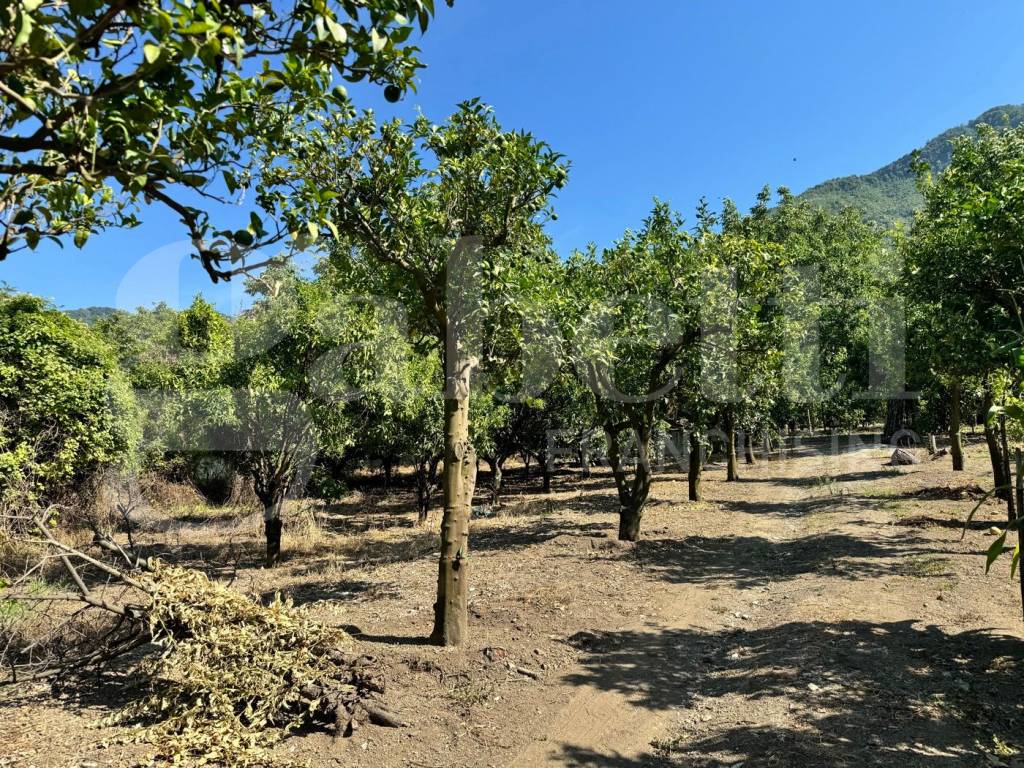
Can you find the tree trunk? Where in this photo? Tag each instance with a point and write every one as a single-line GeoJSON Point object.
{"type": "Point", "coordinates": [810, 422]}
{"type": "Point", "coordinates": [630, 514]}
{"type": "Point", "coordinates": [585, 457]}
{"type": "Point", "coordinates": [748, 447]}
{"type": "Point", "coordinates": [632, 496]}
{"type": "Point", "coordinates": [994, 450]}
{"type": "Point", "coordinates": [496, 477]}
{"type": "Point", "coordinates": [899, 421]}
{"type": "Point", "coordinates": [933, 446]}
{"type": "Point", "coordinates": [272, 525]}
{"type": "Point", "coordinates": [1019, 488]}
{"type": "Point", "coordinates": [428, 488]}
{"type": "Point", "coordinates": [1011, 512]}
{"type": "Point", "coordinates": [956, 441]}
{"type": "Point", "coordinates": [1019, 481]}
{"type": "Point", "coordinates": [422, 492]}
{"type": "Point", "coordinates": [388, 466]}
{"type": "Point", "coordinates": [450, 610]}
{"type": "Point", "coordinates": [731, 473]}
{"type": "Point", "coordinates": [696, 466]}
{"type": "Point", "coordinates": [545, 469]}
{"type": "Point", "coordinates": [629, 522]}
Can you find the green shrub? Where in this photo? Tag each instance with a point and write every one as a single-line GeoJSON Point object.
{"type": "Point", "coordinates": [65, 407]}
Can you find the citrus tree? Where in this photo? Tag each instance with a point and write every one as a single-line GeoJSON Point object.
{"type": "Point", "coordinates": [1010, 413]}
{"type": "Point", "coordinates": [744, 332]}
{"type": "Point", "coordinates": [65, 408]}
{"type": "Point", "coordinates": [631, 315]}
{"type": "Point", "coordinates": [302, 357]}
{"type": "Point", "coordinates": [965, 274]}
{"type": "Point", "coordinates": [839, 272]}
{"type": "Point", "coordinates": [105, 104]}
{"type": "Point", "coordinates": [175, 362]}
{"type": "Point", "coordinates": [451, 215]}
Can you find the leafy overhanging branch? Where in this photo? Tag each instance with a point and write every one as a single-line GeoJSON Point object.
{"type": "Point", "coordinates": [104, 105]}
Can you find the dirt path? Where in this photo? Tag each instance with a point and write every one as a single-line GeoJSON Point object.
{"type": "Point", "coordinates": [607, 722]}
{"type": "Point", "coordinates": [604, 724]}
{"type": "Point", "coordinates": [632, 712]}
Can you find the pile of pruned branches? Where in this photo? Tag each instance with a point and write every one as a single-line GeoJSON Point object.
{"type": "Point", "coordinates": [227, 676]}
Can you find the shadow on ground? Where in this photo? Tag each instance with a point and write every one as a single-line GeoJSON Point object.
{"type": "Point", "coordinates": [748, 561]}
{"type": "Point", "coordinates": [824, 480]}
{"type": "Point", "coordinates": [860, 693]}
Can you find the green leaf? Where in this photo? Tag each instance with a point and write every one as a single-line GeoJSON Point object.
{"type": "Point", "coordinates": [338, 31]}
{"type": "Point", "coordinates": [993, 414]}
{"type": "Point", "coordinates": [198, 27]}
{"type": "Point", "coordinates": [1016, 560]}
{"type": "Point", "coordinates": [256, 224]}
{"type": "Point", "coordinates": [1015, 412]}
{"type": "Point", "coordinates": [995, 551]}
{"type": "Point", "coordinates": [24, 30]}
{"type": "Point", "coordinates": [377, 41]}
{"type": "Point", "coordinates": [180, 119]}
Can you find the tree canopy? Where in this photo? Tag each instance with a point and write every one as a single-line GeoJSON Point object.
{"type": "Point", "coordinates": [66, 409]}
{"type": "Point", "coordinates": [105, 104]}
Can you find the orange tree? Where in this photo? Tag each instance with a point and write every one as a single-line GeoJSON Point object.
{"type": "Point", "coordinates": [965, 273]}
{"type": "Point", "coordinates": [108, 103]}
{"type": "Point", "coordinates": [449, 216]}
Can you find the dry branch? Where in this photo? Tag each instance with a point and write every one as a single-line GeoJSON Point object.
{"type": "Point", "coordinates": [229, 676]}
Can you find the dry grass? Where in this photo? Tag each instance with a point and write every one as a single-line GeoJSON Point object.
{"type": "Point", "coordinates": [549, 597]}
{"type": "Point", "coordinates": [923, 567]}
{"type": "Point", "coordinates": [467, 692]}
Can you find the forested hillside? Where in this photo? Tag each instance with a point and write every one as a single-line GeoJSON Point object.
{"type": "Point", "coordinates": [90, 315]}
{"type": "Point", "coordinates": [890, 193]}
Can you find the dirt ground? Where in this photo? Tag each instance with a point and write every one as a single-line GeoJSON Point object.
{"type": "Point", "coordinates": [822, 611]}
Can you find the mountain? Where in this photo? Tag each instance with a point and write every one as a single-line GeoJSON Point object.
{"type": "Point", "coordinates": [90, 315]}
{"type": "Point", "coordinates": [890, 193]}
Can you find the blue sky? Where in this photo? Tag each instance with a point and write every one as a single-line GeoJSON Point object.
{"type": "Point", "coordinates": [673, 99]}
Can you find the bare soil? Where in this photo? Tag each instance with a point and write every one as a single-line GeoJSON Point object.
{"type": "Point", "coordinates": [822, 611]}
